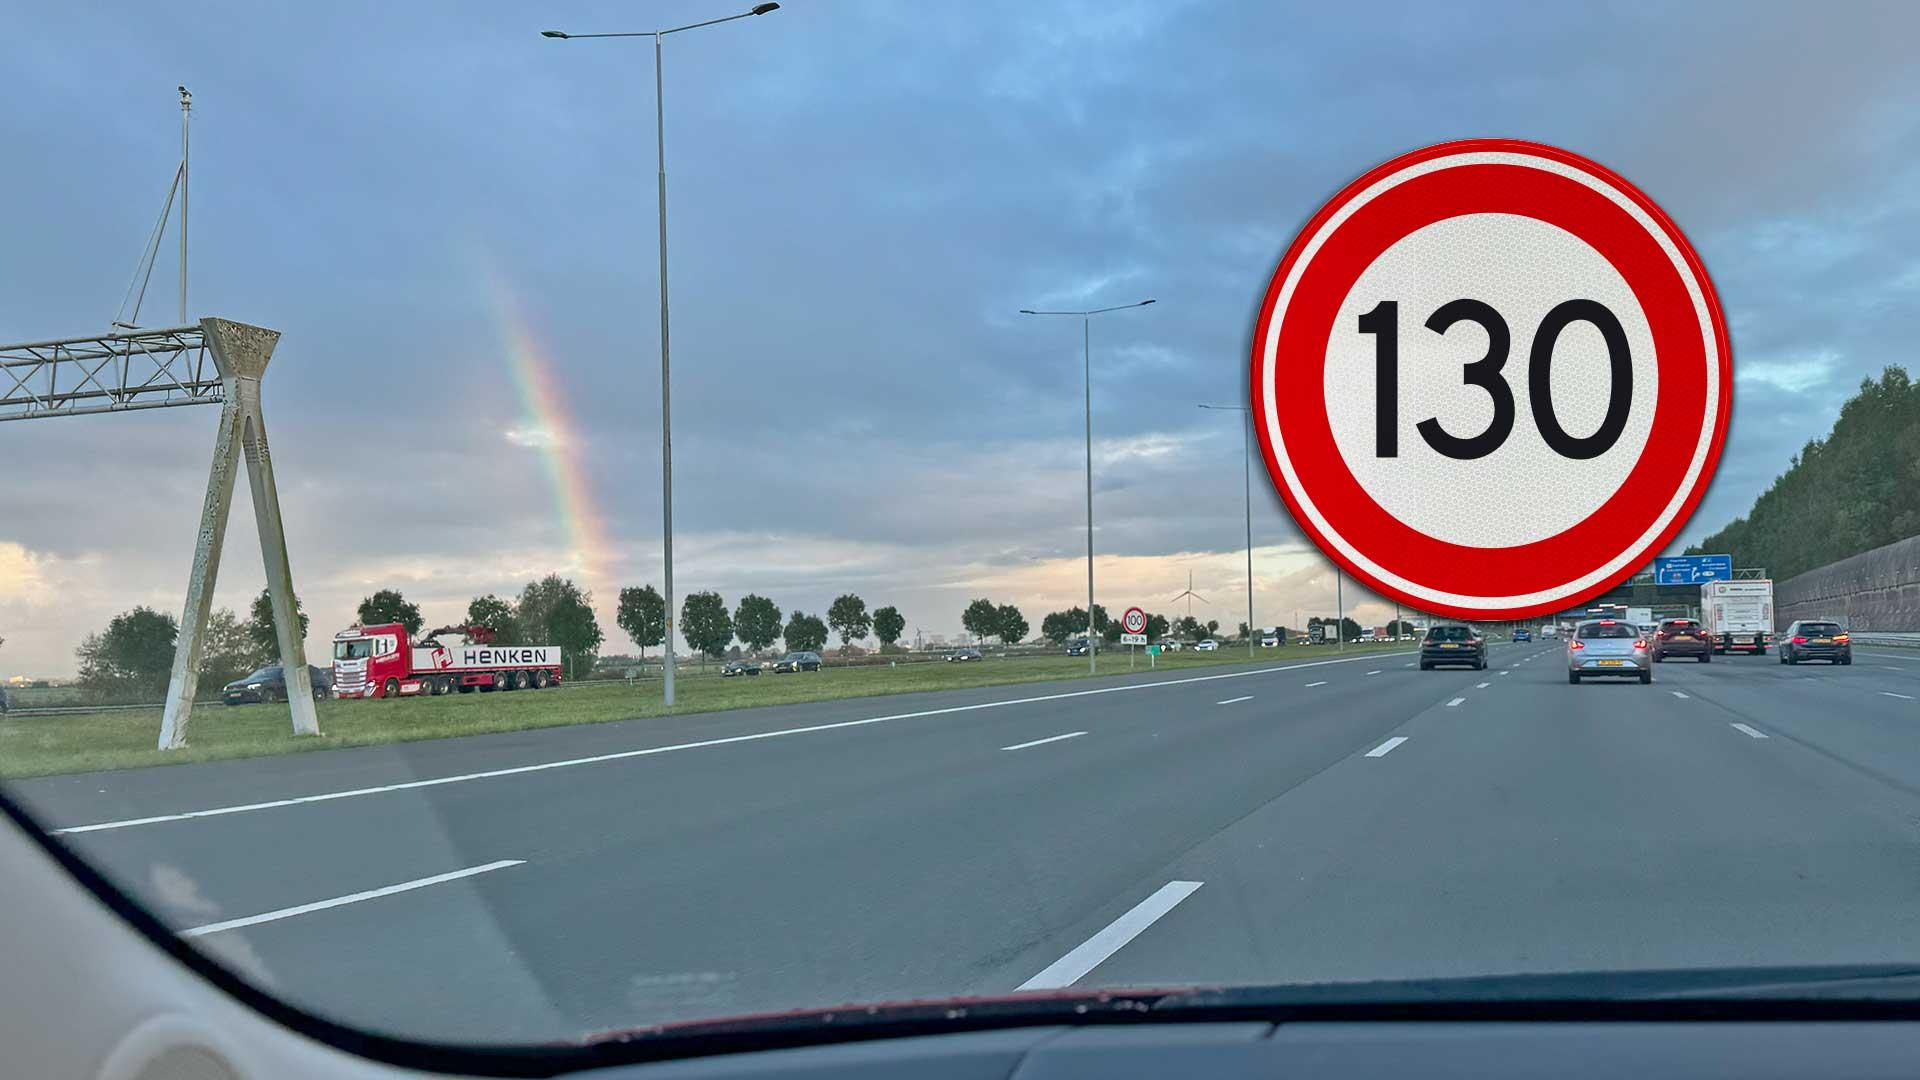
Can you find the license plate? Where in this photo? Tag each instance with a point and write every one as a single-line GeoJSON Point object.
{"type": "Point", "coordinates": [1823, 641]}
{"type": "Point", "coordinates": [1449, 646]}
{"type": "Point", "coordinates": [1612, 663]}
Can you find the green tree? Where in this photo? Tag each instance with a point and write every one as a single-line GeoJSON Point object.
{"type": "Point", "coordinates": [261, 632]}
{"type": "Point", "coordinates": [1157, 627]}
{"type": "Point", "coordinates": [643, 615]}
{"type": "Point", "coordinates": [756, 622]}
{"type": "Point", "coordinates": [981, 618]}
{"type": "Point", "coordinates": [226, 654]}
{"type": "Point", "coordinates": [555, 611]}
{"type": "Point", "coordinates": [1243, 633]}
{"type": "Point", "coordinates": [1058, 626]}
{"type": "Point", "coordinates": [1349, 630]}
{"type": "Point", "coordinates": [1213, 626]}
{"type": "Point", "coordinates": [388, 606]}
{"type": "Point", "coordinates": [705, 624]}
{"type": "Point", "coordinates": [1399, 627]}
{"type": "Point", "coordinates": [1010, 625]}
{"type": "Point", "coordinates": [888, 625]}
{"type": "Point", "coordinates": [133, 655]}
{"type": "Point", "coordinates": [805, 633]}
{"type": "Point", "coordinates": [497, 615]}
{"type": "Point", "coordinates": [848, 617]}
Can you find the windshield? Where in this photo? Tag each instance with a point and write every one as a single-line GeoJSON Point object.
{"type": "Point", "coordinates": [1167, 448]}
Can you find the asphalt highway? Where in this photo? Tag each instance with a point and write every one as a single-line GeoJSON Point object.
{"type": "Point", "coordinates": [1305, 818]}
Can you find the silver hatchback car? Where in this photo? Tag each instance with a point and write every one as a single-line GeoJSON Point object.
{"type": "Point", "coordinates": [1608, 647]}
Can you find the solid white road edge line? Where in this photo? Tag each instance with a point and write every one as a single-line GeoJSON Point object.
{"type": "Point", "coordinates": [565, 763]}
{"type": "Point", "coordinates": [1889, 693]}
{"type": "Point", "coordinates": [1045, 741]}
{"type": "Point", "coordinates": [1386, 748]}
{"type": "Point", "coordinates": [1094, 951]}
{"type": "Point", "coordinates": [1235, 700]}
{"type": "Point", "coordinates": [1750, 731]}
{"type": "Point", "coordinates": [351, 898]}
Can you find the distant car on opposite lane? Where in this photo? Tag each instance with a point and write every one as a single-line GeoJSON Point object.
{"type": "Point", "coordinates": [1208, 645]}
{"type": "Point", "coordinates": [1453, 643]}
{"type": "Point", "coordinates": [1608, 648]}
{"type": "Point", "coordinates": [1681, 637]}
{"type": "Point", "coordinates": [1522, 634]}
{"type": "Point", "coordinates": [1269, 641]}
{"type": "Point", "coordinates": [1079, 647]}
{"type": "Point", "coordinates": [741, 667]}
{"type": "Point", "coordinates": [1815, 639]}
{"type": "Point", "coordinates": [270, 684]}
{"type": "Point", "coordinates": [797, 661]}
{"type": "Point", "coordinates": [961, 656]}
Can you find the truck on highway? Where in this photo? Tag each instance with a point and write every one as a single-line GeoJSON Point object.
{"type": "Point", "coordinates": [1738, 614]}
{"type": "Point", "coordinates": [381, 661]}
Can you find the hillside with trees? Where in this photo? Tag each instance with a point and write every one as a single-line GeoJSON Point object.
{"type": "Point", "coordinates": [1855, 490]}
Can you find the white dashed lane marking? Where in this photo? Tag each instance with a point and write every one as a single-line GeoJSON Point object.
{"type": "Point", "coordinates": [1386, 748]}
{"type": "Point", "coordinates": [1750, 731]}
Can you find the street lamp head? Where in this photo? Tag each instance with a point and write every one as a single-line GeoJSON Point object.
{"type": "Point", "coordinates": [553, 33]}
{"type": "Point", "coordinates": [762, 9]}
{"type": "Point", "coordinates": [1028, 311]}
{"type": "Point", "coordinates": [1143, 303]}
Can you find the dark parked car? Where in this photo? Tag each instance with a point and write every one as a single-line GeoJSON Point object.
{"type": "Point", "coordinates": [1682, 637]}
{"type": "Point", "coordinates": [269, 684]}
{"type": "Point", "coordinates": [955, 656]}
{"type": "Point", "coordinates": [741, 667]}
{"type": "Point", "coordinates": [1815, 639]}
{"type": "Point", "coordinates": [1453, 643]}
{"type": "Point", "coordinates": [797, 661]}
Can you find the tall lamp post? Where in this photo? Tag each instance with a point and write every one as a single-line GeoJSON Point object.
{"type": "Point", "coordinates": [1086, 372]}
{"type": "Point", "coordinates": [1246, 470]}
{"type": "Point", "coordinates": [666, 382]}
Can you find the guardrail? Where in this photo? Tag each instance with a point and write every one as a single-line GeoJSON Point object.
{"type": "Point", "coordinates": [1904, 639]}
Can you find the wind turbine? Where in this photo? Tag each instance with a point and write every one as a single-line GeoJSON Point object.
{"type": "Point", "coordinates": [1189, 596]}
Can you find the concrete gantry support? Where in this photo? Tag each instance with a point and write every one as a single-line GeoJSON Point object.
{"type": "Point", "coordinates": [241, 353]}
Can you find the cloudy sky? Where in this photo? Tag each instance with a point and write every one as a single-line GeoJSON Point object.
{"type": "Point", "coordinates": [452, 221]}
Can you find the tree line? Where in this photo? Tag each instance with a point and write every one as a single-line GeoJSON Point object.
{"type": "Point", "coordinates": [1855, 490]}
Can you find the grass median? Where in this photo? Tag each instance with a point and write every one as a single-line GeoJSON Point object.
{"type": "Point", "coordinates": [82, 742]}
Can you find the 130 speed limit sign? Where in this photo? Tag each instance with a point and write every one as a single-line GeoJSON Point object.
{"type": "Point", "coordinates": [1491, 379]}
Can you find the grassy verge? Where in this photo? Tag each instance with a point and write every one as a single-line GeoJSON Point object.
{"type": "Point", "coordinates": [81, 742]}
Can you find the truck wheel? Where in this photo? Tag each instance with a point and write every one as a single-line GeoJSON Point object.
{"type": "Point", "coordinates": [502, 682]}
{"type": "Point", "coordinates": [541, 680]}
{"type": "Point", "coordinates": [392, 688]}
{"type": "Point", "coordinates": [522, 680]}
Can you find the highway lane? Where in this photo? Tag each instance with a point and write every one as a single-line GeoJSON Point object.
{"type": "Point", "coordinates": [1509, 822]}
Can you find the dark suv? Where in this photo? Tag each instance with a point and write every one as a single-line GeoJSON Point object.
{"type": "Point", "coordinates": [797, 661]}
{"type": "Point", "coordinates": [1453, 643]}
{"type": "Point", "coordinates": [1682, 637]}
{"type": "Point", "coordinates": [270, 684]}
{"type": "Point", "coordinates": [1815, 639]}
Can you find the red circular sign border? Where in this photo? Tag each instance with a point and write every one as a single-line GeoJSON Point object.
{"type": "Point", "coordinates": [1143, 620]}
{"type": "Point", "coordinates": [1620, 185]}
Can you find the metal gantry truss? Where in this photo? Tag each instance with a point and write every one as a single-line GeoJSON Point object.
{"type": "Point", "coordinates": [135, 369]}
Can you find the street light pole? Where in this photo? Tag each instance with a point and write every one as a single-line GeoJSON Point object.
{"type": "Point", "coordinates": [666, 375]}
{"type": "Point", "coordinates": [1086, 373]}
{"type": "Point", "coordinates": [1246, 476]}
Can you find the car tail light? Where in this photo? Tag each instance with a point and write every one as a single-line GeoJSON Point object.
{"type": "Point", "coordinates": [1577, 645]}
{"type": "Point", "coordinates": [1606, 622]}
{"type": "Point", "coordinates": [1799, 640]}
{"type": "Point", "coordinates": [1641, 644]}
{"type": "Point", "coordinates": [1839, 639]}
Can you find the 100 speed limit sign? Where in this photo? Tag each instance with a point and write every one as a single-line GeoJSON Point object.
{"type": "Point", "coordinates": [1491, 379]}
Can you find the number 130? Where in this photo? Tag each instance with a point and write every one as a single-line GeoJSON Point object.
{"type": "Point", "coordinates": [1384, 323]}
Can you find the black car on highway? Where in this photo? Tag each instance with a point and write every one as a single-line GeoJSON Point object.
{"type": "Point", "coordinates": [1815, 639]}
{"type": "Point", "coordinates": [741, 667]}
{"type": "Point", "coordinates": [1079, 648]}
{"type": "Point", "coordinates": [1453, 643]}
{"type": "Point", "coordinates": [797, 661]}
{"type": "Point", "coordinates": [270, 684]}
{"type": "Point", "coordinates": [1682, 637]}
{"type": "Point", "coordinates": [960, 656]}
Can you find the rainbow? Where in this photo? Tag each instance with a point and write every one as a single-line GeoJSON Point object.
{"type": "Point", "coordinates": [549, 428]}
